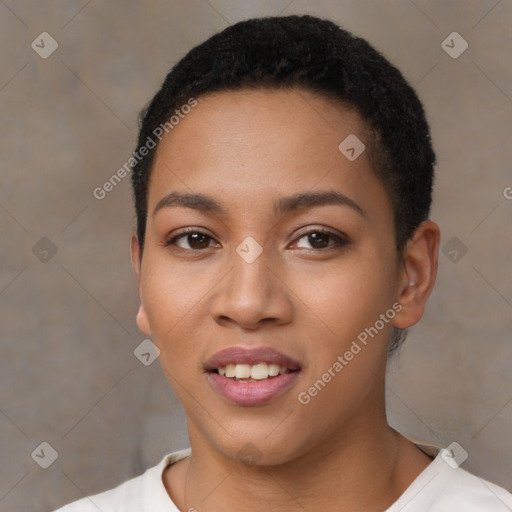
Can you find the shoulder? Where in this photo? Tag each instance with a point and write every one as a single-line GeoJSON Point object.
{"type": "Point", "coordinates": [133, 495]}
{"type": "Point", "coordinates": [119, 498]}
{"type": "Point", "coordinates": [444, 487]}
{"type": "Point", "coordinates": [463, 489]}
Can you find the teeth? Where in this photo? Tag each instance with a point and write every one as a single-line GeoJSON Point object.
{"type": "Point", "coordinates": [258, 371]}
{"type": "Point", "coordinates": [273, 370]}
{"type": "Point", "coordinates": [242, 371]}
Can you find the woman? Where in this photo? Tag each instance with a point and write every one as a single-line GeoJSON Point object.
{"type": "Point", "coordinates": [282, 185]}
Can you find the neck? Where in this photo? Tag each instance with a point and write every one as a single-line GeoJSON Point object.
{"type": "Point", "coordinates": [365, 466]}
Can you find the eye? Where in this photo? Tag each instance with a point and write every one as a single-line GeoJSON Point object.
{"type": "Point", "coordinates": [319, 239]}
{"type": "Point", "coordinates": [190, 239]}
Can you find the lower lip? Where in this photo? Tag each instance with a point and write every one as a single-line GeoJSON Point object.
{"type": "Point", "coordinates": [252, 393]}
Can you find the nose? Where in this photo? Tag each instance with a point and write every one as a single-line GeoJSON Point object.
{"type": "Point", "coordinates": [251, 294]}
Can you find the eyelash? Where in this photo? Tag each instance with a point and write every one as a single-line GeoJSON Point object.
{"type": "Point", "coordinates": [339, 240]}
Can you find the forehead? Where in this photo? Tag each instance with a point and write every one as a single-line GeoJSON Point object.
{"type": "Point", "coordinates": [275, 116]}
{"type": "Point", "coordinates": [259, 143]}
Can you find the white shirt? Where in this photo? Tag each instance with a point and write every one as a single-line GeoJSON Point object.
{"type": "Point", "coordinates": [439, 488]}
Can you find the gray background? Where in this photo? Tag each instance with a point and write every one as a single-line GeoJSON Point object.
{"type": "Point", "coordinates": [69, 375]}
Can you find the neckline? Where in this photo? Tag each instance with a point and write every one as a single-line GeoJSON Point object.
{"type": "Point", "coordinates": [432, 451]}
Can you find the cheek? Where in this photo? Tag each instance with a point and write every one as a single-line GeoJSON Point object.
{"type": "Point", "coordinates": [172, 296]}
{"type": "Point", "coordinates": [344, 297]}
{"type": "Point", "coordinates": [339, 306]}
{"type": "Point", "coordinates": [343, 359]}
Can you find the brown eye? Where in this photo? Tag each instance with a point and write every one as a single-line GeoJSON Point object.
{"type": "Point", "coordinates": [320, 239]}
{"type": "Point", "coordinates": [191, 240]}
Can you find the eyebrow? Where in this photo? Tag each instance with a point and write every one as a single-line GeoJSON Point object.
{"type": "Point", "coordinates": [285, 205]}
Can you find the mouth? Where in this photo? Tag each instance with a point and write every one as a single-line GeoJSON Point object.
{"type": "Point", "coordinates": [250, 377]}
{"type": "Point", "coordinates": [240, 372]}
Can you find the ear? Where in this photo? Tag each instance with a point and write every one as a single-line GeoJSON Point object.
{"type": "Point", "coordinates": [418, 274]}
{"type": "Point", "coordinates": [135, 254]}
{"type": "Point", "coordinates": [142, 316]}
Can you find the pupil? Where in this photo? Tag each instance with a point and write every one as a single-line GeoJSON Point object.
{"type": "Point", "coordinates": [195, 240]}
{"type": "Point", "coordinates": [316, 239]}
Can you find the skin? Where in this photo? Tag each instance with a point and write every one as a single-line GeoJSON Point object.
{"type": "Point", "coordinates": [246, 149]}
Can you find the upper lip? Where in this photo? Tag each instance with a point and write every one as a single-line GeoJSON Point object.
{"type": "Point", "coordinates": [241, 355]}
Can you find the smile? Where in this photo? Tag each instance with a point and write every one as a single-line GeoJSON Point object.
{"type": "Point", "coordinates": [251, 377]}
{"type": "Point", "coordinates": [252, 373]}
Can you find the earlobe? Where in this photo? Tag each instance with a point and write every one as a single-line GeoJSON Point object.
{"type": "Point", "coordinates": [142, 320]}
{"type": "Point", "coordinates": [419, 270]}
{"type": "Point", "coordinates": [142, 317]}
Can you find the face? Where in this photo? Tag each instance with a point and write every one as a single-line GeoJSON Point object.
{"type": "Point", "coordinates": [283, 255]}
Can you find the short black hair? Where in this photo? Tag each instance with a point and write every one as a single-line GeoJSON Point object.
{"type": "Point", "coordinates": [317, 55]}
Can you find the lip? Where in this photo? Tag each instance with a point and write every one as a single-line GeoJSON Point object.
{"type": "Point", "coordinates": [241, 355]}
{"type": "Point", "coordinates": [255, 393]}
{"type": "Point", "coordinates": [252, 393]}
